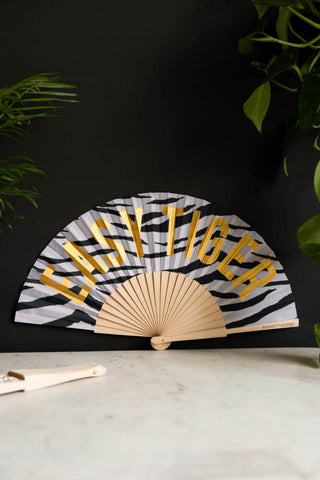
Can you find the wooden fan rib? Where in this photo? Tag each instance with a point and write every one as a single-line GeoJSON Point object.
{"type": "Point", "coordinates": [138, 306]}
{"type": "Point", "coordinates": [187, 316]}
{"type": "Point", "coordinates": [179, 280]}
{"type": "Point", "coordinates": [181, 287]}
{"type": "Point", "coordinates": [139, 294]}
{"type": "Point", "coordinates": [187, 297]}
{"type": "Point", "coordinates": [162, 303]}
{"type": "Point", "coordinates": [116, 331]}
{"type": "Point", "coordinates": [191, 301]}
{"type": "Point", "coordinates": [157, 287]}
{"type": "Point", "coordinates": [116, 307]}
{"type": "Point", "coordinates": [108, 318]}
{"type": "Point", "coordinates": [125, 291]}
{"type": "Point", "coordinates": [203, 323]}
{"type": "Point", "coordinates": [110, 312]}
{"type": "Point", "coordinates": [172, 280]}
{"type": "Point", "coordinates": [151, 295]}
{"type": "Point", "coordinates": [199, 307]}
{"type": "Point", "coordinates": [211, 333]}
{"type": "Point", "coordinates": [184, 296]}
{"type": "Point", "coordinates": [121, 300]}
{"type": "Point", "coordinates": [209, 313]}
{"type": "Point", "coordinates": [118, 325]}
{"type": "Point", "coordinates": [294, 322]}
{"type": "Point", "coordinates": [164, 290]}
{"type": "Point", "coordinates": [143, 287]}
{"type": "Point", "coordinates": [193, 305]}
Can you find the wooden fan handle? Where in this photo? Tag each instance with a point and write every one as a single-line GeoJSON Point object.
{"type": "Point", "coordinates": [36, 378]}
{"type": "Point", "coordinates": [162, 345]}
{"type": "Point", "coordinates": [163, 342]}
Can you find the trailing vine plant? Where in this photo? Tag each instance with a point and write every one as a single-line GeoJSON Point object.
{"type": "Point", "coordinates": [34, 97]}
{"type": "Point", "coordinates": [286, 44]}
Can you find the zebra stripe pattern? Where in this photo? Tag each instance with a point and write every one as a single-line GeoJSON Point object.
{"type": "Point", "coordinates": [42, 305]}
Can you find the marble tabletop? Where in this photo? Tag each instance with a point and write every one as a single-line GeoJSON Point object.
{"type": "Point", "coordinates": [177, 414]}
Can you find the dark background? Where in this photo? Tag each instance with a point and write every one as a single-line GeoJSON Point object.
{"type": "Point", "coordinates": [161, 86]}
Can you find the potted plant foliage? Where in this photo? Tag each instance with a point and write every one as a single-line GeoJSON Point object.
{"type": "Point", "coordinates": [291, 30]}
{"type": "Point", "coordinates": [34, 97]}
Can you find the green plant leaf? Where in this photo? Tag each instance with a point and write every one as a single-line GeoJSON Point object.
{"type": "Point", "coordinates": [260, 25]}
{"type": "Point", "coordinates": [309, 100]}
{"type": "Point", "coordinates": [280, 3]}
{"type": "Point", "coordinates": [18, 99]}
{"type": "Point", "coordinates": [15, 185]}
{"type": "Point", "coordinates": [308, 236]}
{"type": "Point", "coordinates": [259, 66]}
{"type": "Point", "coordinates": [283, 23]}
{"type": "Point", "coordinates": [285, 166]}
{"type": "Point", "coordinates": [282, 62]}
{"type": "Point", "coordinates": [312, 251]}
{"type": "Point", "coordinates": [246, 46]}
{"type": "Point", "coordinates": [316, 180]}
{"type": "Point", "coordinates": [57, 93]}
{"type": "Point", "coordinates": [316, 329]}
{"type": "Point", "coordinates": [309, 231]}
{"type": "Point", "coordinates": [315, 143]}
{"type": "Point", "coordinates": [261, 10]}
{"type": "Point", "coordinates": [257, 105]}
{"type": "Point", "coordinates": [59, 85]}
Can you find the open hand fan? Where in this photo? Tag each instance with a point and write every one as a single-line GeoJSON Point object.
{"type": "Point", "coordinates": [161, 265]}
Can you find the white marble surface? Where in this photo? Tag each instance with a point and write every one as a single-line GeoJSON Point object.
{"type": "Point", "coordinates": [182, 415]}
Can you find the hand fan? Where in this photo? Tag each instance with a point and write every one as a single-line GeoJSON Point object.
{"type": "Point", "coordinates": [161, 265]}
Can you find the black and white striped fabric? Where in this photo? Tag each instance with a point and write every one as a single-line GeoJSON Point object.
{"type": "Point", "coordinates": [42, 305]}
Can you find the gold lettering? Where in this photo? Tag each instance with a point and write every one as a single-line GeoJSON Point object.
{"type": "Point", "coordinates": [254, 281]}
{"type": "Point", "coordinates": [63, 286]}
{"type": "Point", "coordinates": [134, 228]}
{"type": "Point", "coordinates": [192, 233]}
{"type": "Point", "coordinates": [235, 254]}
{"type": "Point", "coordinates": [108, 242]}
{"type": "Point", "coordinates": [216, 242]}
{"type": "Point", "coordinates": [84, 261]}
{"type": "Point", "coordinates": [172, 212]}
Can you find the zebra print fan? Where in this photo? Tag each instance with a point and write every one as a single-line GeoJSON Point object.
{"type": "Point", "coordinates": [161, 265]}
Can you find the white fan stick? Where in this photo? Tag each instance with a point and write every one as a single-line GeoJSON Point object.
{"type": "Point", "coordinates": [36, 378]}
{"type": "Point", "coordinates": [213, 333]}
{"type": "Point", "coordinates": [265, 326]}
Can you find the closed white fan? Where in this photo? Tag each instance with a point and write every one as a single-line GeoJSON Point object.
{"type": "Point", "coordinates": [161, 265]}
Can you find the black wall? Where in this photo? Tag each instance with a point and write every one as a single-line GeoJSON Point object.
{"type": "Point", "coordinates": [161, 86]}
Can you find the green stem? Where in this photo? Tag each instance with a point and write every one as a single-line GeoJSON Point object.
{"type": "Point", "coordinates": [281, 85]}
{"type": "Point", "coordinates": [314, 60]}
{"type": "Point", "coordinates": [296, 69]}
{"type": "Point", "coordinates": [312, 8]}
{"type": "Point", "coordinates": [304, 18]}
{"type": "Point", "coordinates": [268, 38]}
{"type": "Point", "coordinates": [295, 33]}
